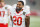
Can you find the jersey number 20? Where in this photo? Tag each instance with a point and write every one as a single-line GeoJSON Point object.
{"type": "Point", "coordinates": [18, 19]}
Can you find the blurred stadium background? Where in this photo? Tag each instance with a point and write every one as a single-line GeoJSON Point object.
{"type": "Point", "coordinates": [35, 11]}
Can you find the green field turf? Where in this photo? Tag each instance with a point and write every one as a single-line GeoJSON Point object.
{"type": "Point", "coordinates": [34, 21]}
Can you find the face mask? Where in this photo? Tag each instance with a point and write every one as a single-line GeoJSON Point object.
{"type": "Point", "coordinates": [18, 9]}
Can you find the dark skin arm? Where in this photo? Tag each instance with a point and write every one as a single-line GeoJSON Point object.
{"type": "Point", "coordinates": [11, 18]}
{"type": "Point", "coordinates": [27, 21]}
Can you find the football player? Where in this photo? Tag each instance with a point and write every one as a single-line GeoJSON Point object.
{"type": "Point", "coordinates": [4, 13]}
{"type": "Point", "coordinates": [20, 15]}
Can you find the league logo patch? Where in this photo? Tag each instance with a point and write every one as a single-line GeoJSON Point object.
{"type": "Point", "coordinates": [24, 13]}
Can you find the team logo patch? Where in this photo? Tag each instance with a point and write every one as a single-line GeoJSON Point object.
{"type": "Point", "coordinates": [24, 13]}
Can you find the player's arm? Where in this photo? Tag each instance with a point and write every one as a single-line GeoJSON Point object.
{"type": "Point", "coordinates": [27, 21]}
{"type": "Point", "coordinates": [11, 18]}
{"type": "Point", "coordinates": [10, 12]}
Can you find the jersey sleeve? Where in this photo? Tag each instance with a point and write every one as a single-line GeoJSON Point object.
{"type": "Point", "coordinates": [13, 9]}
{"type": "Point", "coordinates": [27, 11]}
{"type": "Point", "coordinates": [14, 6]}
{"type": "Point", "coordinates": [10, 9]}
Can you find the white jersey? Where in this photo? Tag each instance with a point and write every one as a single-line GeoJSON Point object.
{"type": "Point", "coordinates": [19, 18]}
{"type": "Point", "coordinates": [4, 13]}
